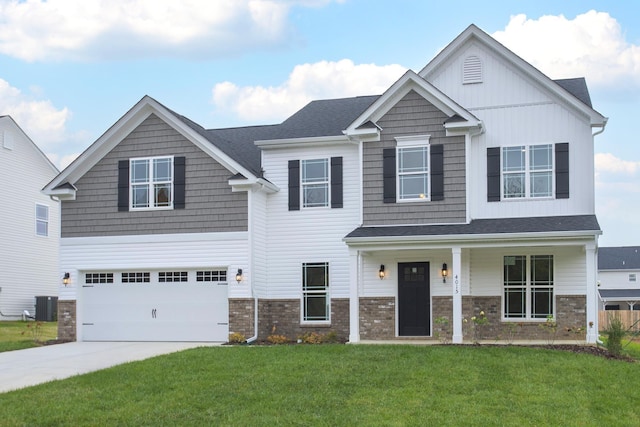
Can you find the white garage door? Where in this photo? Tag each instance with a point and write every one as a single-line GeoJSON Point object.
{"type": "Point", "coordinates": [155, 306]}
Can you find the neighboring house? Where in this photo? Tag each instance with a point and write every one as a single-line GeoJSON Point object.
{"type": "Point", "coordinates": [619, 278]}
{"type": "Point", "coordinates": [30, 225]}
{"type": "Point", "coordinates": [466, 187]}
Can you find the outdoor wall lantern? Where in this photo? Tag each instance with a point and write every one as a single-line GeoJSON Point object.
{"type": "Point", "coordinates": [66, 278]}
{"type": "Point", "coordinates": [239, 275]}
{"type": "Point", "coordinates": [444, 272]}
{"type": "Point", "coordinates": [381, 272]}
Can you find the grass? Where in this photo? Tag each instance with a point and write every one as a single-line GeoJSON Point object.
{"type": "Point", "coordinates": [336, 385]}
{"type": "Point", "coordinates": [20, 335]}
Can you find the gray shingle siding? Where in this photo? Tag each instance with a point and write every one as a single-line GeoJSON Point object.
{"type": "Point", "coordinates": [413, 115]}
{"type": "Point", "coordinates": [211, 206]}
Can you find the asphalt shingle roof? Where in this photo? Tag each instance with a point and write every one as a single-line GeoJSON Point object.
{"type": "Point", "coordinates": [619, 258]}
{"type": "Point", "coordinates": [578, 88]}
{"type": "Point", "coordinates": [485, 226]}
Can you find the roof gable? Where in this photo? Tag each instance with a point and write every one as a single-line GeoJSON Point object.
{"type": "Point", "coordinates": [572, 92]}
{"type": "Point", "coordinates": [8, 125]}
{"type": "Point", "coordinates": [209, 143]}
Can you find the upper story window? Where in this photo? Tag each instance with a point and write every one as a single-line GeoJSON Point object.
{"type": "Point", "coordinates": [151, 183]}
{"type": "Point", "coordinates": [413, 173]}
{"type": "Point", "coordinates": [42, 220]}
{"type": "Point", "coordinates": [527, 171]}
{"type": "Point", "coordinates": [315, 183]}
{"type": "Point", "coordinates": [632, 277]}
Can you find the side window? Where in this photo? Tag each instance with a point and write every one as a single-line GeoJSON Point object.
{"type": "Point", "coordinates": [315, 292]}
{"type": "Point", "coordinates": [151, 183]}
{"type": "Point", "coordinates": [315, 183]}
{"type": "Point", "coordinates": [42, 220]}
{"type": "Point", "coordinates": [527, 171]}
{"type": "Point", "coordinates": [632, 277]}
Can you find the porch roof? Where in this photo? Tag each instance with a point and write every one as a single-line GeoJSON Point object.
{"type": "Point", "coordinates": [552, 226]}
{"type": "Point", "coordinates": [619, 294]}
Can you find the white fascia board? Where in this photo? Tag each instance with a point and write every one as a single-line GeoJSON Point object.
{"type": "Point", "coordinates": [62, 193]}
{"type": "Point", "coordinates": [363, 134]}
{"type": "Point", "coordinates": [475, 33]}
{"type": "Point", "coordinates": [154, 238]}
{"type": "Point", "coordinates": [125, 125]}
{"type": "Point", "coordinates": [260, 184]}
{"type": "Point", "coordinates": [318, 141]}
{"type": "Point", "coordinates": [566, 238]}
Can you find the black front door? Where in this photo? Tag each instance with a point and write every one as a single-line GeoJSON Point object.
{"type": "Point", "coordinates": [414, 311]}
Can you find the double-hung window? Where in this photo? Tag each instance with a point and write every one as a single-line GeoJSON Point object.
{"type": "Point", "coordinates": [315, 183]}
{"type": "Point", "coordinates": [528, 287]}
{"type": "Point", "coordinates": [315, 292]}
{"type": "Point", "coordinates": [42, 220]}
{"type": "Point", "coordinates": [151, 183]}
{"type": "Point", "coordinates": [413, 173]}
{"type": "Point", "coordinates": [527, 171]}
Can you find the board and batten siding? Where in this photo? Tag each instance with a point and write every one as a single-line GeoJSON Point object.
{"type": "Point", "coordinates": [569, 269]}
{"type": "Point", "coordinates": [258, 241]}
{"type": "Point", "coordinates": [309, 234]}
{"type": "Point", "coordinates": [210, 205]}
{"type": "Point", "coordinates": [413, 115]}
{"type": "Point", "coordinates": [171, 252]}
{"type": "Point", "coordinates": [29, 263]}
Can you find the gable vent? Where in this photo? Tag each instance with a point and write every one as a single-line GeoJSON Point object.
{"type": "Point", "coordinates": [472, 70]}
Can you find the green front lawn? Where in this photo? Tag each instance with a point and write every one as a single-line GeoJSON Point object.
{"type": "Point", "coordinates": [19, 335]}
{"type": "Point", "coordinates": [336, 385]}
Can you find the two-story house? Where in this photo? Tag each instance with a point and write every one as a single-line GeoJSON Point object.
{"type": "Point", "coordinates": [465, 188]}
{"type": "Point", "coordinates": [29, 229]}
{"type": "Point", "coordinates": [619, 278]}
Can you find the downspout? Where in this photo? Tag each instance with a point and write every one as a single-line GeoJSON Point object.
{"type": "Point", "coordinates": [255, 318]}
{"type": "Point", "coordinates": [604, 124]}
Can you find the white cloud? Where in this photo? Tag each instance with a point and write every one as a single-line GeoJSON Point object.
{"type": "Point", "coordinates": [307, 82]}
{"type": "Point", "coordinates": [40, 119]}
{"type": "Point", "coordinates": [38, 30]}
{"type": "Point", "coordinates": [608, 163]}
{"type": "Point", "coordinates": [592, 45]}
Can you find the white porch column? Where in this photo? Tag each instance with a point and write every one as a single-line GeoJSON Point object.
{"type": "Point", "coordinates": [592, 292]}
{"type": "Point", "coordinates": [355, 261]}
{"type": "Point", "coordinates": [456, 277]}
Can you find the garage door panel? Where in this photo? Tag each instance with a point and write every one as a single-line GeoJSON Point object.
{"type": "Point", "coordinates": [155, 312]}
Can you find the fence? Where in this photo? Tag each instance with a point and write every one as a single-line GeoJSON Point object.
{"type": "Point", "coordinates": [630, 319]}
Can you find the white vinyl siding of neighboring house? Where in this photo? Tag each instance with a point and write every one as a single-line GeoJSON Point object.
{"type": "Point", "coordinates": [309, 235]}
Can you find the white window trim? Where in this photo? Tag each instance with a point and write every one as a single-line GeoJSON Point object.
{"type": "Point", "coordinates": [150, 183]}
{"type": "Point", "coordinates": [327, 182]}
{"type": "Point", "coordinates": [326, 292]}
{"type": "Point", "coordinates": [47, 221]}
{"type": "Point", "coordinates": [527, 173]}
{"type": "Point", "coordinates": [413, 141]}
{"type": "Point", "coordinates": [528, 286]}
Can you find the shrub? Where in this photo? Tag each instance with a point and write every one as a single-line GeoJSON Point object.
{"type": "Point", "coordinates": [615, 332]}
{"type": "Point", "coordinates": [551, 328]}
{"type": "Point", "coordinates": [277, 339]}
{"type": "Point", "coordinates": [237, 338]}
{"type": "Point", "coordinates": [444, 333]}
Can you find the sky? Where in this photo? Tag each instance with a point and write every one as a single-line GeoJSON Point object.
{"type": "Point", "coordinates": [69, 69]}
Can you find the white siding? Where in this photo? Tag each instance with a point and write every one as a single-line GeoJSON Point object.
{"type": "Point", "coordinates": [613, 279]}
{"type": "Point", "coordinates": [258, 236]}
{"type": "Point", "coordinates": [309, 235]}
{"type": "Point", "coordinates": [569, 269]}
{"type": "Point", "coordinates": [29, 263]}
{"type": "Point", "coordinates": [516, 111]}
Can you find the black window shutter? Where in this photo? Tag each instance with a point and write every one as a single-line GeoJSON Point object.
{"type": "Point", "coordinates": [437, 172]}
{"type": "Point", "coordinates": [178, 182]}
{"type": "Point", "coordinates": [493, 174]}
{"type": "Point", "coordinates": [294, 185]}
{"type": "Point", "coordinates": [562, 170]}
{"type": "Point", "coordinates": [336, 182]}
{"type": "Point", "coordinates": [389, 175]}
{"type": "Point", "coordinates": [123, 185]}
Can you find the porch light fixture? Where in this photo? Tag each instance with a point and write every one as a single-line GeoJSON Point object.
{"type": "Point", "coordinates": [444, 272]}
{"type": "Point", "coordinates": [239, 275]}
{"type": "Point", "coordinates": [66, 279]}
{"type": "Point", "coordinates": [381, 272]}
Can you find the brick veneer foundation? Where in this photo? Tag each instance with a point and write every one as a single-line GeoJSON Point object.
{"type": "Point", "coordinates": [241, 317]}
{"type": "Point", "coordinates": [67, 320]}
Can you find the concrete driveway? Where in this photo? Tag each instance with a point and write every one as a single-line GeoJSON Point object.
{"type": "Point", "coordinates": [24, 368]}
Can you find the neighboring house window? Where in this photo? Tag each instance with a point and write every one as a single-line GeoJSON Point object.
{"type": "Point", "coordinates": [632, 277]}
{"type": "Point", "coordinates": [211, 276]}
{"type": "Point", "coordinates": [413, 173]}
{"type": "Point", "coordinates": [42, 220]}
{"type": "Point", "coordinates": [530, 172]}
{"type": "Point", "coordinates": [136, 277]}
{"type": "Point", "coordinates": [528, 287]}
{"type": "Point", "coordinates": [94, 278]}
{"type": "Point", "coordinates": [315, 292]}
{"type": "Point", "coordinates": [151, 183]}
{"type": "Point", "coordinates": [173, 276]}
{"type": "Point", "coordinates": [527, 171]}
{"type": "Point", "coordinates": [315, 183]}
